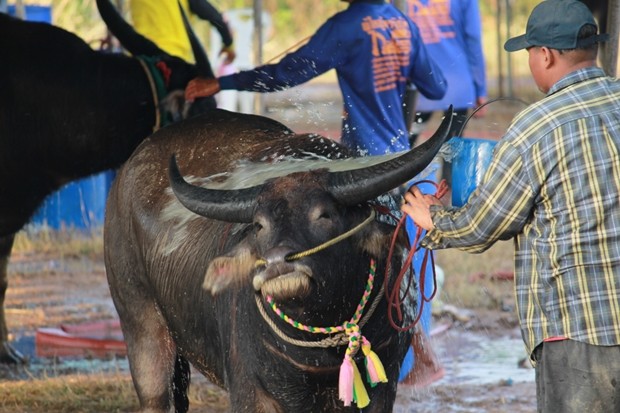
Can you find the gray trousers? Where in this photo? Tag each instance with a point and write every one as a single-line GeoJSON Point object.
{"type": "Point", "coordinates": [575, 377]}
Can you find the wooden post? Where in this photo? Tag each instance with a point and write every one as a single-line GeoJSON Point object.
{"type": "Point", "coordinates": [610, 49]}
{"type": "Point", "coordinates": [20, 9]}
{"type": "Point", "coordinates": [500, 48]}
{"type": "Point", "coordinates": [258, 50]}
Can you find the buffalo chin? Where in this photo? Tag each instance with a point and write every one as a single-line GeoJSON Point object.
{"type": "Point", "coordinates": [284, 287]}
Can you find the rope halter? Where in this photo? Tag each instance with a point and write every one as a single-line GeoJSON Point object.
{"type": "Point", "coordinates": [350, 387]}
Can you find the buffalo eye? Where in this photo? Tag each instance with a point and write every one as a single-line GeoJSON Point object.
{"type": "Point", "coordinates": [320, 213]}
{"type": "Point", "coordinates": [260, 223]}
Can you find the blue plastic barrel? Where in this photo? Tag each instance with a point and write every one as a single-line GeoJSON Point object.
{"type": "Point", "coordinates": [470, 160]}
{"type": "Point", "coordinates": [34, 13]}
{"type": "Point", "coordinates": [77, 205]}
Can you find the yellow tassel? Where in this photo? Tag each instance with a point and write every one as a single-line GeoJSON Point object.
{"type": "Point", "coordinates": [374, 367]}
{"type": "Point", "coordinates": [378, 366]}
{"type": "Point", "coordinates": [360, 395]}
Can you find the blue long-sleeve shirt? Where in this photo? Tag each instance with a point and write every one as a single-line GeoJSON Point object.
{"type": "Point", "coordinates": [452, 33]}
{"type": "Point", "coordinates": [375, 49]}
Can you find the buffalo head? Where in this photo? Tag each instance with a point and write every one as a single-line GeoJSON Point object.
{"type": "Point", "coordinates": [292, 214]}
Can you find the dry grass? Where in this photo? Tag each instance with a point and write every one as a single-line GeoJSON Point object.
{"type": "Point", "coordinates": [62, 243]}
{"type": "Point", "coordinates": [96, 392]}
{"type": "Point", "coordinates": [74, 393]}
{"type": "Point", "coordinates": [471, 280]}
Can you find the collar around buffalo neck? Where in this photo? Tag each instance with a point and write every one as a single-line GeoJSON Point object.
{"type": "Point", "coordinates": [157, 83]}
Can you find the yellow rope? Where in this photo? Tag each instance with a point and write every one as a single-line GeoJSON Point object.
{"type": "Point", "coordinates": [287, 50]}
{"type": "Point", "coordinates": [327, 244]}
{"type": "Point", "coordinates": [333, 241]}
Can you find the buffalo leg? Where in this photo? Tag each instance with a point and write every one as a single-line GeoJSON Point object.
{"type": "Point", "coordinates": [8, 355]}
{"type": "Point", "coordinates": [151, 353]}
{"type": "Point", "coordinates": [180, 384]}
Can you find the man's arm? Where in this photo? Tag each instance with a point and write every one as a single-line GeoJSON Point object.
{"type": "Point", "coordinates": [498, 209]}
{"type": "Point", "coordinates": [321, 53]}
{"type": "Point", "coordinates": [206, 11]}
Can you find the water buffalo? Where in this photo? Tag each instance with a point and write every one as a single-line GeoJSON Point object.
{"type": "Point", "coordinates": [191, 268]}
{"type": "Point", "coordinates": [68, 111]}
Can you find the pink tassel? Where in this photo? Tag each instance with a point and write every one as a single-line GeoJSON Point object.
{"type": "Point", "coordinates": [345, 383]}
{"type": "Point", "coordinates": [373, 377]}
{"type": "Point", "coordinates": [375, 373]}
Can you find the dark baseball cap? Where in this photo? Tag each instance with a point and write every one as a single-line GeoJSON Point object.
{"type": "Point", "coordinates": [556, 24]}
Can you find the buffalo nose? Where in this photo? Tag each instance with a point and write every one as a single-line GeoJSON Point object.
{"type": "Point", "coordinates": [277, 254]}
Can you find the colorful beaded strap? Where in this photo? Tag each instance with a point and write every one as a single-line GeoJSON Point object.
{"type": "Point", "coordinates": [350, 386]}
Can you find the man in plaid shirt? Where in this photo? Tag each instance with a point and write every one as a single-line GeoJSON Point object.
{"type": "Point", "coordinates": [554, 187]}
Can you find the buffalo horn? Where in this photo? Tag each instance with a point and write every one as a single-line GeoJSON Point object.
{"type": "Point", "coordinates": [231, 205]}
{"type": "Point", "coordinates": [131, 40]}
{"type": "Point", "coordinates": [354, 186]}
{"type": "Point", "coordinates": [203, 66]}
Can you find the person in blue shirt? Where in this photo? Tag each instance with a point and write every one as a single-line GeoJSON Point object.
{"type": "Point", "coordinates": [375, 49]}
{"type": "Point", "coordinates": [452, 33]}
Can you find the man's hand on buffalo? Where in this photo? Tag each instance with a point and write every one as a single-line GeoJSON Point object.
{"type": "Point", "coordinates": [417, 206]}
{"type": "Point", "coordinates": [201, 87]}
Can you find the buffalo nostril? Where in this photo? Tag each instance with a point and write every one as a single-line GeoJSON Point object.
{"type": "Point", "coordinates": [277, 254]}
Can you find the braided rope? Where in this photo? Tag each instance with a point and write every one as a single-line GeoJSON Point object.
{"type": "Point", "coordinates": [343, 334]}
{"type": "Point", "coordinates": [329, 330]}
{"type": "Point", "coordinates": [334, 341]}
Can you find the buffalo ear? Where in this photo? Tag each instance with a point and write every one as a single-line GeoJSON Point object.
{"type": "Point", "coordinates": [229, 271]}
{"type": "Point", "coordinates": [376, 238]}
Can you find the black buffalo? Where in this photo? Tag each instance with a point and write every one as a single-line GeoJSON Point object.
{"type": "Point", "coordinates": [67, 111]}
{"type": "Point", "coordinates": [190, 287]}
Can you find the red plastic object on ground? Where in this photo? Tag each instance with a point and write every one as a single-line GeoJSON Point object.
{"type": "Point", "coordinates": [98, 339]}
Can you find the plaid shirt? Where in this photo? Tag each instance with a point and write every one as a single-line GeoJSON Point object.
{"type": "Point", "coordinates": [554, 186]}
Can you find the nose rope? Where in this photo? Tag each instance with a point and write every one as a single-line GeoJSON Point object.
{"type": "Point", "coordinates": [327, 244]}
{"type": "Point", "coordinates": [351, 387]}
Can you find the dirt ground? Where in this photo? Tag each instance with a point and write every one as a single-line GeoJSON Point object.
{"type": "Point", "coordinates": [480, 350]}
